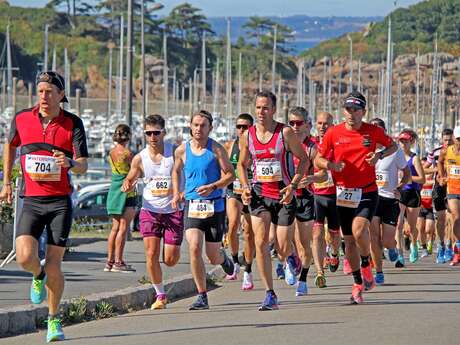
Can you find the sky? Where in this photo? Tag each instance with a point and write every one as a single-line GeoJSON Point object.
{"type": "Point", "coordinates": [322, 8]}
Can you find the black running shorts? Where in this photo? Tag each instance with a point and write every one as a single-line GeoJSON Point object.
{"type": "Point", "coordinates": [366, 209]}
{"type": "Point", "coordinates": [411, 198]}
{"type": "Point", "coordinates": [282, 215]}
{"type": "Point", "coordinates": [325, 208]}
{"type": "Point", "coordinates": [213, 227]}
{"type": "Point", "coordinates": [388, 210]}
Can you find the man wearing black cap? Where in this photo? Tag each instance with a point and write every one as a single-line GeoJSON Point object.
{"type": "Point", "coordinates": [352, 146]}
{"type": "Point", "coordinates": [52, 142]}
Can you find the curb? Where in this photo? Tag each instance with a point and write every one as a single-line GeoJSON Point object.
{"type": "Point", "coordinates": [29, 318]}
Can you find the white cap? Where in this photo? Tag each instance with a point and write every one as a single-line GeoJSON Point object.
{"type": "Point", "coordinates": [457, 132]}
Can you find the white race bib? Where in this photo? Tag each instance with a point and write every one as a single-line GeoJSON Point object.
{"type": "Point", "coordinates": [349, 197]}
{"type": "Point", "coordinates": [200, 209]}
{"type": "Point", "coordinates": [326, 184]}
{"type": "Point", "coordinates": [42, 168]}
{"type": "Point", "coordinates": [454, 171]}
{"type": "Point", "coordinates": [426, 193]}
{"type": "Point", "coordinates": [268, 171]}
{"type": "Point", "coordinates": [237, 187]}
{"type": "Point", "coordinates": [160, 185]}
{"type": "Point", "coordinates": [382, 179]}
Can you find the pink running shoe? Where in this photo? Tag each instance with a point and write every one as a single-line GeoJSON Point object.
{"type": "Point", "coordinates": [356, 294]}
{"type": "Point", "coordinates": [368, 278]}
{"type": "Point", "coordinates": [247, 282]}
{"type": "Point", "coordinates": [234, 276]}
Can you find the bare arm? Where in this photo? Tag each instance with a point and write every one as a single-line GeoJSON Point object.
{"type": "Point", "coordinates": [293, 144]}
{"type": "Point", "coordinates": [442, 173]}
{"type": "Point", "coordinates": [407, 177]}
{"type": "Point", "coordinates": [420, 178]}
{"type": "Point", "coordinates": [176, 174]}
{"type": "Point", "coordinates": [135, 171]}
{"type": "Point", "coordinates": [242, 168]}
{"type": "Point", "coordinates": [9, 154]}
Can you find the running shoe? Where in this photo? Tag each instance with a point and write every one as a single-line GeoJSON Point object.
{"type": "Point", "coordinates": [393, 254]}
{"type": "Point", "coordinates": [356, 294]}
{"type": "Point", "coordinates": [334, 263]}
{"type": "Point", "coordinates": [456, 260]}
{"type": "Point", "coordinates": [234, 276]}
{"type": "Point", "coordinates": [326, 262]}
{"type": "Point", "coordinates": [302, 289]}
{"type": "Point", "coordinates": [413, 256]}
{"type": "Point", "coordinates": [280, 271]}
{"type": "Point", "coordinates": [346, 267]}
{"type": "Point", "coordinates": [289, 271]}
{"type": "Point", "coordinates": [160, 302]}
{"type": "Point", "coordinates": [247, 282]}
{"type": "Point", "coordinates": [38, 290]}
{"type": "Point", "coordinates": [429, 247]}
{"type": "Point", "coordinates": [440, 259]}
{"type": "Point", "coordinates": [379, 278]}
{"type": "Point", "coordinates": [108, 266]}
{"type": "Point", "coordinates": [424, 253]}
{"type": "Point", "coordinates": [407, 243]}
{"type": "Point", "coordinates": [400, 262]}
{"type": "Point", "coordinates": [449, 254]}
{"type": "Point", "coordinates": [55, 332]}
{"type": "Point", "coordinates": [320, 280]}
{"type": "Point", "coordinates": [122, 267]}
{"type": "Point", "coordinates": [368, 278]}
{"type": "Point", "coordinates": [270, 302]}
{"type": "Point", "coordinates": [201, 303]}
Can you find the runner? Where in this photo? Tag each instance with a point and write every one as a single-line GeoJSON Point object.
{"type": "Point", "coordinates": [270, 196]}
{"type": "Point", "coordinates": [157, 217]}
{"type": "Point", "coordinates": [207, 170]}
{"type": "Point", "coordinates": [325, 209]}
{"type": "Point", "coordinates": [383, 225]}
{"type": "Point", "coordinates": [353, 144]}
{"type": "Point", "coordinates": [120, 205]}
{"type": "Point", "coordinates": [449, 174]}
{"type": "Point", "coordinates": [236, 209]}
{"type": "Point", "coordinates": [52, 142]}
{"type": "Point", "coordinates": [425, 221]}
{"type": "Point", "coordinates": [301, 125]}
{"type": "Point", "coordinates": [439, 194]}
{"type": "Point", "coordinates": [410, 200]}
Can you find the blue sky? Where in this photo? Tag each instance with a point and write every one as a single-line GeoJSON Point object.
{"type": "Point", "coordinates": [324, 8]}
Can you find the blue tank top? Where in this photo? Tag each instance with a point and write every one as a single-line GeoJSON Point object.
{"type": "Point", "coordinates": [413, 172]}
{"type": "Point", "coordinates": [199, 171]}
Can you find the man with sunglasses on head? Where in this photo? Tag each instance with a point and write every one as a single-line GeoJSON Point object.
{"type": "Point", "coordinates": [353, 144]}
{"type": "Point", "coordinates": [271, 195]}
{"type": "Point", "coordinates": [158, 219]}
{"type": "Point", "coordinates": [52, 144]}
{"type": "Point", "coordinates": [207, 171]}
{"type": "Point", "coordinates": [235, 209]}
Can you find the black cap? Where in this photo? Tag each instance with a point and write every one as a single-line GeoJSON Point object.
{"type": "Point", "coordinates": [52, 78]}
{"type": "Point", "coordinates": [355, 100]}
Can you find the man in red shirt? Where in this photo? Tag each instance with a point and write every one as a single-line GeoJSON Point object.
{"type": "Point", "coordinates": [52, 142]}
{"type": "Point", "coordinates": [353, 146]}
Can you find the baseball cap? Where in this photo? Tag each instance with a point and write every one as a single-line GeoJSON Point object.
{"type": "Point", "coordinates": [405, 136]}
{"type": "Point", "coordinates": [355, 100]}
{"type": "Point", "coordinates": [457, 132]}
{"type": "Point", "coordinates": [52, 78]}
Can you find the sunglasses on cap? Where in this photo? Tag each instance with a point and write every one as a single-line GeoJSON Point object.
{"type": "Point", "coordinates": [295, 123]}
{"type": "Point", "coordinates": [242, 127]}
{"type": "Point", "coordinates": [155, 133]}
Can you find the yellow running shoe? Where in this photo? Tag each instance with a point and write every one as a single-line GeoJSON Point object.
{"type": "Point", "coordinates": [160, 302]}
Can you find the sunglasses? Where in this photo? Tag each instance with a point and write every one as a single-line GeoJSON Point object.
{"type": "Point", "coordinates": [242, 127]}
{"type": "Point", "coordinates": [150, 133]}
{"type": "Point", "coordinates": [296, 123]}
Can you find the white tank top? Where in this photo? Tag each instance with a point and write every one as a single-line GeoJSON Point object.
{"type": "Point", "coordinates": [157, 194]}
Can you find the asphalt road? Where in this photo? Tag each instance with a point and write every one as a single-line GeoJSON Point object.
{"type": "Point", "coordinates": [419, 304]}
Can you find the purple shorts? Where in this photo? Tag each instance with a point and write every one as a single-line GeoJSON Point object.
{"type": "Point", "coordinates": [167, 225]}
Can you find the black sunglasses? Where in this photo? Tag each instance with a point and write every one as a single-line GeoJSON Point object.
{"type": "Point", "coordinates": [150, 133]}
{"type": "Point", "coordinates": [242, 126]}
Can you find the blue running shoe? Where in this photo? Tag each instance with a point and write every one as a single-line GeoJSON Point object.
{"type": "Point", "coordinates": [400, 262]}
{"type": "Point", "coordinates": [38, 290]}
{"type": "Point", "coordinates": [449, 254]}
{"type": "Point", "coordinates": [413, 256]}
{"type": "Point", "coordinates": [393, 254]}
{"type": "Point", "coordinates": [201, 303]}
{"type": "Point", "coordinates": [280, 271]}
{"type": "Point", "coordinates": [289, 272]}
{"type": "Point", "coordinates": [302, 289]}
{"type": "Point", "coordinates": [55, 332]}
{"type": "Point", "coordinates": [440, 257]}
{"type": "Point", "coordinates": [270, 302]}
{"type": "Point", "coordinates": [379, 278]}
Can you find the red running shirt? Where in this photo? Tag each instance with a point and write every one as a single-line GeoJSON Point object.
{"type": "Point", "coordinates": [351, 147]}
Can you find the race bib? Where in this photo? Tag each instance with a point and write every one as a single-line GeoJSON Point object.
{"type": "Point", "coordinates": [200, 209]}
{"type": "Point", "coordinates": [237, 187]}
{"type": "Point", "coordinates": [382, 179]}
{"type": "Point", "coordinates": [349, 197]}
{"type": "Point", "coordinates": [42, 168]}
{"type": "Point", "coordinates": [426, 193]}
{"type": "Point", "coordinates": [326, 184]}
{"type": "Point", "coordinates": [160, 185]}
{"type": "Point", "coordinates": [454, 172]}
{"type": "Point", "coordinates": [268, 171]}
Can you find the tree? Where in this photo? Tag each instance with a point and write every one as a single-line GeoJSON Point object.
{"type": "Point", "coordinates": [73, 8]}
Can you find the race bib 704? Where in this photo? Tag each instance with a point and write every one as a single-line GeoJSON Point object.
{"type": "Point", "coordinates": [42, 168]}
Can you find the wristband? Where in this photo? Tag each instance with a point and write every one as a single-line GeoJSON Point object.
{"type": "Point", "coordinates": [71, 163]}
{"type": "Point", "coordinates": [294, 185]}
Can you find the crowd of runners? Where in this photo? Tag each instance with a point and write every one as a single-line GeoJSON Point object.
{"type": "Point", "coordinates": [352, 196]}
